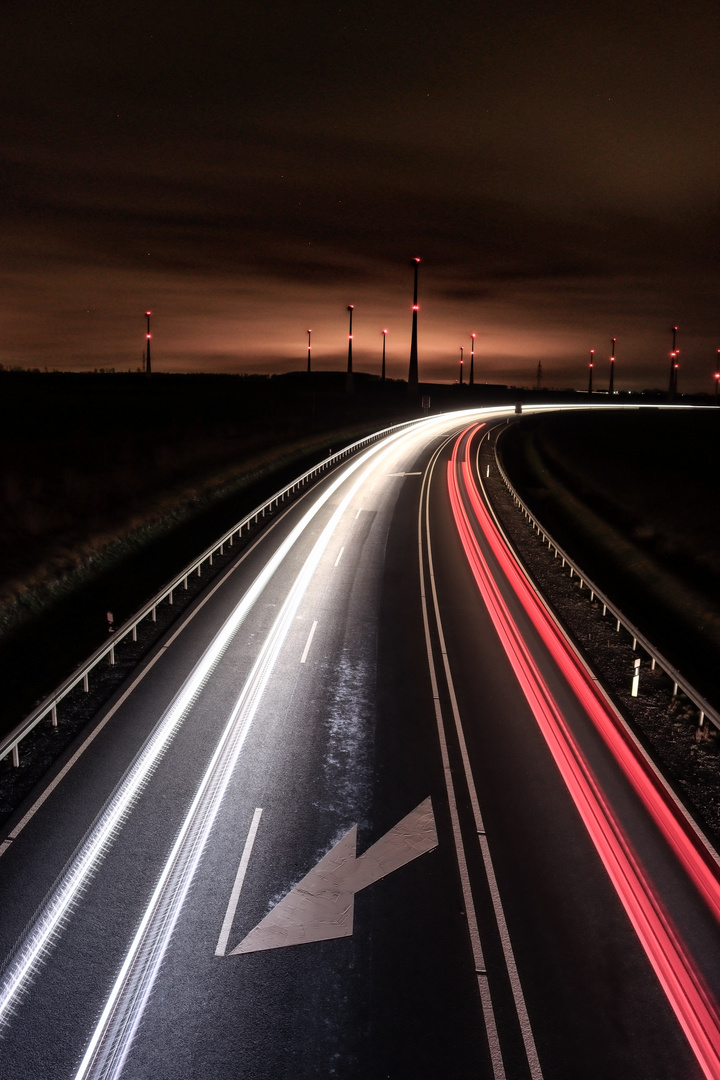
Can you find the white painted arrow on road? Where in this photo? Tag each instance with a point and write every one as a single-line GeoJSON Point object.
{"type": "Point", "coordinates": [321, 906]}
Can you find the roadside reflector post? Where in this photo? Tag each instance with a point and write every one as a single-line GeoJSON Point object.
{"type": "Point", "coordinates": [675, 689]}
{"type": "Point", "coordinates": [15, 757]}
{"type": "Point", "coordinates": [112, 654]}
{"type": "Point", "coordinates": [185, 583]}
{"type": "Point", "coordinates": [701, 721]}
{"type": "Point", "coordinates": [617, 626]}
{"type": "Point", "coordinates": [134, 632]}
{"type": "Point", "coordinates": [153, 614]}
{"type": "Point", "coordinates": [652, 665]}
{"type": "Point", "coordinates": [636, 679]}
{"type": "Point", "coordinates": [86, 683]}
{"type": "Point", "coordinates": [53, 716]}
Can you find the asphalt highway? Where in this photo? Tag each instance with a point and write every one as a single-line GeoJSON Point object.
{"type": "Point", "coordinates": [363, 813]}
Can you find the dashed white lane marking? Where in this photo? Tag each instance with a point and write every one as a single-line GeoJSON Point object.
{"type": "Point", "coordinates": [403, 474]}
{"type": "Point", "coordinates": [237, 887]}
{"type": "Point", "coordinates": [308, 643]}
{"type": "Point", "coordinates": [339, 555]}
{"type": "Point", "coordinates": [358, 513]}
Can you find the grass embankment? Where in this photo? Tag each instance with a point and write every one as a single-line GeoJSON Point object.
{"type": "Point", "coordinates": [110, 484]}
{"type": "Point", "coordinates": [631, 497]}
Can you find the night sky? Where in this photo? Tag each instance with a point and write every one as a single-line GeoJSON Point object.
{"type": "Point", "coordinates": [247, 170]}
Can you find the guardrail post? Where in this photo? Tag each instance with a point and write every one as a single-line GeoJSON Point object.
{"type": "Point", "coordinates": [134, 632]}
{"type": "Point", "coordinates": [211, 555]}
{"type": "Point", "coordinates": [634, 644]}
{"type": "Point", "coordinates": [604, 610]}
{"type": "Point", "coordinates": [199, 569]}
{"type": "Point", "coordinates": [153, 614]}
{"type": "Point", "coordinates": [701, 721]}
{"type": "Point", "coordinates": [675, 689]}
{"type": "Point", "coordinates": [617, 627]}
{"type": "Point", "coordinates": [170, 597]}
{"type": "Point", "coordinates": [53, 716]}
{"type": "Point", "coordinates": [15, 757]}
{"type": "Point", "coordinates": [185, 583]}
{"type": "Point", "coordinates": [112, 654]}
{"type": "Point", "coordinates": [86, 683]}
{"type": "Point", "coordinates": [652, 664]}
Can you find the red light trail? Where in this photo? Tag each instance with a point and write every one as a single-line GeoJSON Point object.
{"type": "Point", "coordinates": [691, 1000]}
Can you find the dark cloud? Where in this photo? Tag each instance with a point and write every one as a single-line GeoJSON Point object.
{"type": "Point", "coordinates": [555, 166]}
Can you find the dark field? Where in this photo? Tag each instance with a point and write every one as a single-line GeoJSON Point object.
{"type": "Point", "coordinates": [633, 498]}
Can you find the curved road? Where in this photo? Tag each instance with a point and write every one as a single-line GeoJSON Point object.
{"type": "Point", "coordinates": [364, 813]}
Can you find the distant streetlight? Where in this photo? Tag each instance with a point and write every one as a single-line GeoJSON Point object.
{"type": "Point", "coordinates": [611, 388]}
{"type": "Point", "coordinates": [717, 375]}
{"type": "Point", "coordinates": [461, 365]}
{"type": "Point", "coordinates": [382, 375]}
{"type": "Point", "coordinates": [472, 360]}
{"type": "Point", "coordinates": [309, 367]}
{"type": "Point", "coordinates": [148, 335]}
{"type": "Point", "coordinates": [590, 371]}
{"type": "Point", "coordinates": [413, 368]}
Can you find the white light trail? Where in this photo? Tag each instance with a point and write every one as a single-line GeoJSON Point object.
{"type": "Point", "coordinates": [110, 1044]}
{"type": "Point", "coordinates": [40, 936]}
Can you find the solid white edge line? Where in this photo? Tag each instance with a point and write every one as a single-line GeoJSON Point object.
{"type": "Point", "coordinates": [339, 555]}
{"type": "Point", "coordinates": [470, 912]}
{"type": "Point", "coordinates": [508, 952]}
{"type": "Point", "coordinates": [238, 884]}
{"type": "Point", "coordinates": [308, 643]}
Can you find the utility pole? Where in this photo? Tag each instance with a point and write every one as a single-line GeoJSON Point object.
{"type": "Point", "coordinates": [538, 381]}
{"type": "Point", "coordinates": [309, 366]}
{"type": "Point", "coordinates": [461, 365]}
{"type": "Point", "coordinates": [382, 374]}
{"type": "Point", "coordinates": [413, 369]}
{"type": "Point", "coordinates": [472, 360]}
{"type": "Point", "coordinates": [611, 388]}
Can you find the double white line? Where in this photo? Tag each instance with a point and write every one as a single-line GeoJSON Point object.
{"type": "Point", "coordinates": [473, 929]}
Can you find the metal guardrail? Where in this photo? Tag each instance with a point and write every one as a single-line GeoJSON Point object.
{"type": "Point", "coordinates": [705, 709]}
{"type": "Point", "coordinates": [48, 708]}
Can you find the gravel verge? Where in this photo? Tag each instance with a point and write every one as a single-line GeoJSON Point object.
{"type": "Point", "coordinates": [666, 724]}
